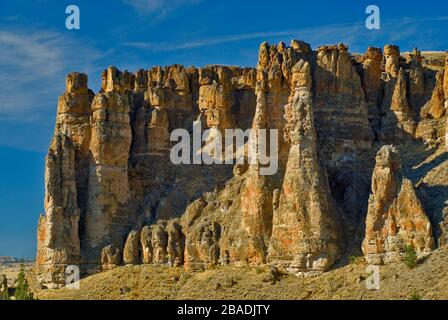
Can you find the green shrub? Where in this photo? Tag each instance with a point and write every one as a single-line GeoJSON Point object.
{"type": "Point", "coordinates": [22, 286]}
{"type": "Point", "coordinates": [415, 296]}
{"type": "Point", "coordinates": [410, 257]}
{"type": "Point", "coordinates": [4, 295]}
{"type": "Point", "coordinates": [4, 286]}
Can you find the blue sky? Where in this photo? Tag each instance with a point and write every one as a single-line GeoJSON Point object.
{"type": "Point", "coordinates": [37, 51]}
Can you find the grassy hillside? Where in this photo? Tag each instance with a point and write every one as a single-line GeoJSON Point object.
{"type": "Point", "coordinates": [428, 280]}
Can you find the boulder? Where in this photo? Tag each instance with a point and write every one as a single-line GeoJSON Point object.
{"type": "Point", "coordinates": [110, 257]}
{"type": "Point", "coordinates": [132, 251]}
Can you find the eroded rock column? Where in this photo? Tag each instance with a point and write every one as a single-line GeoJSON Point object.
{"type": "Point", "coordinates": [371, 81]}
{"type": "Point", "coordinates": [305, 232]}
{"type": "Point", "coordinates": [395, 217]}
{"type": "Point", "coordinates": [108, 171]}
{"type": "Point", "coordinates": [58, 239]}
{"type": "Point", "coordinates": [66, 174]}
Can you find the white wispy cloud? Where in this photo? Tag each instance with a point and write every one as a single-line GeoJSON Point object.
{"type": "Point", "coordinates": [33, 66]}
{"type": "Point", "coordinates": [159, 9]}
{"type": "Point", "coordinates": [346, 31]}
{"type": "Point", "coordinates": [355, 34]}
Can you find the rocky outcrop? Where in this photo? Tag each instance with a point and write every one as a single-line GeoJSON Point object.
{"type": "Point", "coordinates": [159, 242]}
{"type": "Point", "coordinates": [108, 168]}
{"type": "Point", "coordinates": [114, 197]}
{"type": "Point", "coordinates": [65, 184]}
{"type": "Point", "coordinates": [131, 251]}
{"type": "Point", "coordinates": [372, 84]}
{"type": "Point", "coordinates": [392, 59]}
{"type": "Point", "coordinates": [416, 80]}
{"type": "Point", "coordinates": [435, 109]}
{"type": "Point", "coordinates": [398, 120]}
{"type": "Point", "coordinates": [305, 230]}
{"type": "Point", "coordinates": [58, 239]}
{"type": "Point", "coordinates": [176, 244]}
{"type": "Point", "coordinates": [146, 244]}
{"type": "Point", "coordinates": [110, 257]}
{"type": "Point", "coordinates": [201, 247]}
{"type": "Point", "coordinates": [256, 197]}
{"type": "Point", "coordinates": [340, 107]}
{"type": "Point", "coordinates": [395, 217]}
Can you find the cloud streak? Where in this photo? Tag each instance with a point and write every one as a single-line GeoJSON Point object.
{"type": "Point", "coordinates": [159, 9]}
{"type": "Point", "coordinates": [354, 34]}
{"type": "Point", "coordinates": [33, 65]}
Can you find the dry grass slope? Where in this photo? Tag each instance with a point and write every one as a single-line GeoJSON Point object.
{"type": "Point", "coordinates": [429, 280]}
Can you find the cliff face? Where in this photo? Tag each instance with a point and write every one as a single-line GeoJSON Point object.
{"type": "Point", "coordinates": [113, 196]}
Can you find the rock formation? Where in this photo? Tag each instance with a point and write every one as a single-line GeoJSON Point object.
{"type": "Point", "coordinates": [392, 59]}
{"type": "Point", "coordinates": [395, 217]}
{"type": "Point", "coordinates": [416, 80]}
{"type": "Point", "coordinates": [66, 180]}
{"type": "Point", "coordinates": [340, 107]}
{"type": "Point", "coordinates": [108, 168]}
{"type": "Point", "coordinates": [131, 251]}
{"type": "Point", "coordinates": [305, 228]}
{"type": "Point", "coordinates": [113, 196]}
{"type": "Point", "coordinates": [371, 80]}
{"type": "Point", "coordinates": [110, 257]}
{"type": "Point", "coordinates": [436, 107]}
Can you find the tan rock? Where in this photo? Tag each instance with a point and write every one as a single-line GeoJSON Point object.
{"type": "Point", "coordinates": [300, 46]}
{"type": "Point", "coordinates": [340, 106]}
{"type": "Point", "coordinates": [73, 120]}
{"type": "Point", "coordinates": [146, 244]}
{"type": "Point", "coordinates": [398, 120]}
{"type": "Point", "coordinates": [395, 217]}
{"type": "Point", "coordinates": [132, 251]}
{"type": "Point", "coordinates": [159, 243]}
{"type": "Point", "coordinates": [113, 173]}
{"type": "Point", "coordinates": [110, 257]}
{"type": "Point", "coordinates": [176, 243]}
{"type": "Point", "coordinates": [399, 104]}
{"type": "Point", "coordinates": [416, 81]}
{"type": "Point", "coordinates": [201, 246]}
{"type": "Point", "coordinates": [58, 243]}
{"type": "Point", "coordinates": [371, 80]}
{"type": "Point", "coordinates": [216, 97]}
{"type": "Point", "coordinates": [108, 168]}
{"type": "Point", "coordinates": [392, 59]}
{"type": "Point", "coordinates": [305, 231]}
{"type": "Point", "coordinates": [435, 109]}
{"type": "Point", "coordinates": [256, 198]}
